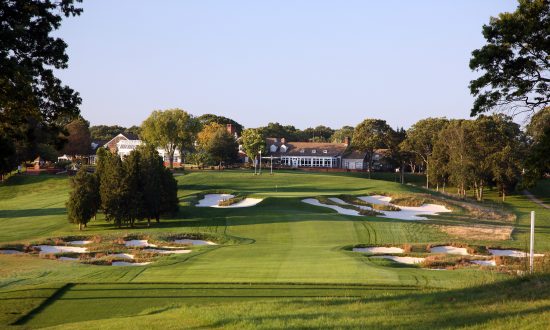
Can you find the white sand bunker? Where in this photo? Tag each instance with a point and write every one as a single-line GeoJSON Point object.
{"type": "Point", "coordinates": [10, 252]}
{"type": "Point", "coordinates": [79, 242]}
{"type": "Point", "coordinates": [336, 208]}
{"type": "Point", "coordinates": [138, 243]}
{"type": "Point", "coordinates": [407, 212]}
{"type": "Point", "coordinates": [491, 263]}
{"type": "Point", "coordinates": [403, 260]}
{"type": "Point", "coordinates": [122, 255]}
{"type": "Point", "coordinates": [447, 249]}
{"type": "Point", "coordinates": [194, 242]}
{"type": "Point", "coordinates": [379, 249]}
{"type": "Point", "coordinates": [212, 200]}
{"type": "Point", "coordinates": [124, 263]}
{"type": "Point", "coordinates": [512, 253]}
{"type": "Point", "coordinates": [60, 249]}
{"type": "Point", "coordinates": [167, 251]}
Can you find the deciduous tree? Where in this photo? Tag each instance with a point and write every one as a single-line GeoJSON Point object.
{"type": "Point", "coordinates": [515, 61]}
{"type": "Point", "coordinates": [252, 142]}
{"type": "Point", "coordinates": [372, 134]}
{"type": "Point", "coordinates": [217, 143]}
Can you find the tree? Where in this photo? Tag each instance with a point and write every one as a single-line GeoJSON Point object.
{"type": "Point", "coordinates": [515, 60]}
{"type": "Point", "coordinates": [252, 142]}
{"type": "Point", "coordinates": [170, 129]}
{"type": "Point", "coordinates": [289, 132]}
{"type": "Point", "coordinates": [132, 188]}
{"type": "Point", "coordinates": [421, 139]}
{"type": "Point", "coordinates": [341, 134]}
{"type": "Point", "coordinates": [217, 143]}
{"type": "Point", "coordinates": [318, 134]}
{"type": "Point", "coordinates": [211, 118]}
{"type": "Point", "coordinates": [79, 139]}
{"type": "Point", "coordinates": [111, 175]}
{"type": "Point", "coordinates": [104, 132]}
{"type": "Point", "coordinates": [537, 162]}
{"type": "Point", "coordinates": [8, 159]}
{"type": "Point", "coordinates": [372, 134]}
{"type": "Point", "coordinates": [31, 96]}
{"type": "Point", "coordinates": [152, 169]}
{"type": "Point", "coordinates": [169, 193]}
{"type": "Point", "coordinates": [84, 199]}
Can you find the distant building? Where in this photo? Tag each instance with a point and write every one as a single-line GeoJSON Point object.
{"type": "Point", "coordinates": [306, 154]}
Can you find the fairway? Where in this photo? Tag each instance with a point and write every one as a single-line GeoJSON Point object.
{"type": "Point", "coordinates": [278, 250]}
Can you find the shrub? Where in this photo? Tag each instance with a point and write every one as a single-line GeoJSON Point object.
{"type": "Point", "coordinates": [230, 201]}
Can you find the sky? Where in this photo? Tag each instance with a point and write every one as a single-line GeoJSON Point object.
{"type": "Point", "coordinates": [302, 63]}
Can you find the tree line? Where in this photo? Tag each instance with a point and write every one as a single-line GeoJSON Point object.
{"type": "Point", "coordinates": [127, 190]}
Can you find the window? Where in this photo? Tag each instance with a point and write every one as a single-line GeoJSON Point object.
{"type": "Point", "coordinates": [273, 148]}
{"type": "Point", "coordinates": [313, 151]}
{"type": "Point", "coordinates": [302, 151]}
{"type": "Point", "coordinates": [325, 151]}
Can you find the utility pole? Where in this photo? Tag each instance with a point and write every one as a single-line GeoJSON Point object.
{"type": "Point", "coordinates": [271, 165]}
{"type": "Point", "coordinates": [532, 243]}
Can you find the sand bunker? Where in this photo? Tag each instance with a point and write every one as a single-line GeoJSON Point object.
{"type": "Point", "coordinates": [512, 253]}
{"type": "Point", "coordinates": [10, 252]}
{"type": "Point", "coordinates": [60, 249]}
{"type": "Point", "coordinates": [212, 200]}
{"type": "Point", "coordinates": [138, 243]}
{"type": "Point", "coordinates": [124, 263]}
{"type": "Point", "coordinates": [449, 250]}
{"type": "Point", "coordinates": [484, 262]}
{"type": "Point", "coordinates": [376, 199]}
{"type": "Point", "coordinates": [379, 249]}
{"type": "Point", "coordinates": [407, 212]}
{"type": "Point", "coordinates": [336, 208]}
{"type": "Point", "coordinates": [403, 260]}
{"type": "Point", "coordinates": [194, 242]}
{"type": "Point", "coordinates": [122, 255]}
{"type": "Point", "coordinates": [167, 251]}
{"type": "Point", "coordinates": [79, 242]}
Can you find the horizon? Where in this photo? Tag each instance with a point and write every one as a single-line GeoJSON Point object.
{"type": "Point", "coordinates": [328, 64]}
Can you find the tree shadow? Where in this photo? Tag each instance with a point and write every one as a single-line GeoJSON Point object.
{"type": "Point", "coordinates": [23, 213]}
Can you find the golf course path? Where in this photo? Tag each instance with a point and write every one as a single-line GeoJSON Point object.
{"type": "Point", "coordinates": [535, 200]}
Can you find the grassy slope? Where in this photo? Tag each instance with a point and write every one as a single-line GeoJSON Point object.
{"type": "Point", "coordinates": [288, 241]}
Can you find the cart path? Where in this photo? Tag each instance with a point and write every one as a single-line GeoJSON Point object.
{"type": "Point", "coordinates": [536, 200]}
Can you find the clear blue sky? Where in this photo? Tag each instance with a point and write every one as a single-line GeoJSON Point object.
{"type": "Point", "coordinates": [303, 63]}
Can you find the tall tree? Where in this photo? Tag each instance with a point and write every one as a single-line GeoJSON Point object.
{"type": "Point", "coordinates": [79, 139]}
{"type": "Point", "coordinates": [252, 142]}
{"type": "Point", "coordinates": [515, 61]}
{"type": "Point", "coordinates": [132, 188]}
{"type": "Point", "coordinates": [113, 194]}
{"type": "Point", "coordinates": [152, 169]}
{"type": "Point", "coordinates": [84, 199]}
{"type": "Point", "coordinates": [421, 138]}
{"type": "Point", "coordinates": [537, 162]}
{"type": "Point", "coordinates": [217, 143]}
{"type": "Point", "coordinates": [318, 134]}
{"type": "Point", "coordinates": [30, 94]}
{"type": "Point", "coordinates": [169, 129]}
{"type": "Point", "coordinates": [372, 134]}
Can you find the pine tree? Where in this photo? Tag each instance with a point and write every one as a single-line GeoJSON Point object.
{"type": "Point", "coordinates": [84, 198]}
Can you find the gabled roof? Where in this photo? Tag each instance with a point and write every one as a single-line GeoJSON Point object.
{"type": "Point", "coordinates": [309, 149]}
{"type": "Point", "coordinates": [122, 136]}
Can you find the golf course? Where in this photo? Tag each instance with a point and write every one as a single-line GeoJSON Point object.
{"type": "Point", "coordinates": [281, 263]}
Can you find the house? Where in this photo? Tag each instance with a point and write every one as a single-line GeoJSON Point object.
{"type": "Point", "coordinates": [355, 160]}
{"type": "Point", "coordinates": [307, 154]}
{"type": "Point", "coordinates": [112, 144]}
{"type": "Point", "coordinates": [124, 147]}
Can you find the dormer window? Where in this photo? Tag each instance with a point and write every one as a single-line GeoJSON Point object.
{"type": "Point", "coordinates": [313, 151]}
{"type": "Point", "coordinates": [283, 148]}
{"type": "Point", "coordinates": [273, 148]}
{"type": "Point", "coordinates": [302, 151]}
{"type": "Point", "coordinates": [325, 151]}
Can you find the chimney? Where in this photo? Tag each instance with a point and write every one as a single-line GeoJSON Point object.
{"type": "Point", "coordinates": [283, 140]}
{"type": "Point", "coordinates": [346, 140]}
{"type": "Point", "coordinates": [230, 129]}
